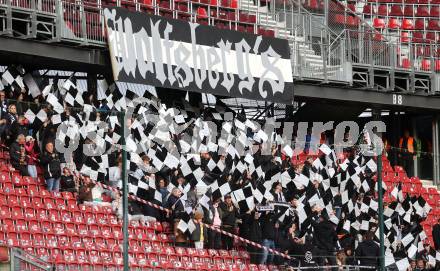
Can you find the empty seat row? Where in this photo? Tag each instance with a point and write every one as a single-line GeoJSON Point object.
{"type": "Point", "coordinates": [181, 9]}
{"type": "Point", "coordinates": [398, 10]}
{"type": "Point", "coordinates": [406, 24]}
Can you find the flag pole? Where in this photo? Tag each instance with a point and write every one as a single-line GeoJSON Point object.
{"type": "Point", "coordinates": [380, 195]}
{"type": "Point", "coordinates": [124, 195]}
{"type": "Point", "coordinates": [376, 116]}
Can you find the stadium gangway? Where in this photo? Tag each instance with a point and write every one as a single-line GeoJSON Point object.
{"type": "Point", "coordinates": [23, 261]}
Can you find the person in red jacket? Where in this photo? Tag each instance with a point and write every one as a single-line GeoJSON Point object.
{"type": "Point", "coordinates": [32, 156]}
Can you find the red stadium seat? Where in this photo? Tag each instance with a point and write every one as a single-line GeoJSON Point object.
{"type": "Point", "coordinates": [69, 257]}
{"type": "Point", "coordinates": [70, 228]}
{"type": "Point", "coordinates": [407, 24]}
{"type": "Point", "coordinates": [201, 13]}
{"type": "Point", "coordinates": [59, 228]}
{"type": "Point", "coordinates": [78, 218]}
{"type": "Point", "coordinates": [408, 11]}
{"type": "Point", "coordinates": [5, 212]}
{"type": "Point", "coordinates": [76, 242]}
{"type": "Point", "coordinates": [32, 190]}
{"type": "Point", "coordinates": [352, 21]}
{"type": "Point", "coordinates": [54, 215]}
{"type": "Point", "coordinates": [82, 257]}
{"type": "Point", "coordinates": [12, 201]}
{"type": "Point", "coordinates": [21, 225]}
{"type": "Point", "coordinates": [422, 11]}
{"type": "Point", "coordinates": [313, 4]}
{"type": "Point", "coordinates": [95, 258]}
{"type": "Point", "coordinates": [25, 202]}
{"type": "Point", "coordinates": [426, 65]}
{"type": "Point", "coordinates": [433, 24]}
{"type": "Point", "coordinates": [393, 23]}
{"type": "Point", "coordinates": [368, 10]}
{"type": "Point", "coordinates": [7, 224]}
{"type": "Point", "coordinates": [396, 10]}
{"type": "Point", "coordinates": [352, 7]}
{"type": "Point", "coordinates": [34, 227]}
{"type": "Point", "coordinates": [89, 218]}
{"type": "Point", "coordinates": [4, 176]}
{"type": "Point", "coordinates": [406, 63]}
{"type": "Point", "coordinates": [38, 240]}
{"type": "Point", "coordinates": [17, 213]}
{"type": "Point", "coordinates": [113, 244]}
{"type": "Point", "coordinates": [3, 200]}
{"type": "Point", "coordinates": [379, 23]}
{"type": "Point", "coordinates": [418, 37]}
{"type": "Point", "coordinates": [94, 230]}
{"type": "Point", "coordinates": [382, 10]}
{"type": "Point", "coordinates": [420, 24]}
{"type": "Point", "coordinates": [183, 9]}
{"type": "Point", "coordinates": [72, 205]}
{"type": "Point", "coordinates": [52, 241]}
{"type": "Point", "coordinates": [437, 65]}
{"type": "Point", "coordinates": [12, 239]}
{"type": "Point", "coordinates": [8, 188]}
{"type": "Point", "coordinates": [56, 255]}
{"type": "Point", "coordinates": [434, 11]}
{"type": "Point", "coordinates": [83, 230]}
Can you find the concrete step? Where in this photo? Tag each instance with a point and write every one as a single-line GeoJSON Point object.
{"type": "Point", "coordinates": [429, 184]}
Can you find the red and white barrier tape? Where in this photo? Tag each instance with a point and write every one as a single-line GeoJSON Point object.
{"type": "Point", "coordinates": [207, 225]}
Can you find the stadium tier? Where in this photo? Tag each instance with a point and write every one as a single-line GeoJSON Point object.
{"type": "Point", "coordinates": [72, 236]}
{"type": "Point", "coordinates": [189, 110]}
{"type": "Point", "coordinates": [326, 46]}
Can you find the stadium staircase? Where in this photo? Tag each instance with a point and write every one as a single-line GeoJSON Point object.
{"type": "Point", "coordinates": [55, 228]}
{"type": "Point", "coordinates": [306, 61]}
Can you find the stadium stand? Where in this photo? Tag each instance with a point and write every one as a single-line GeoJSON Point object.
{"type": "Point", "coordinates": [54, 227]}
{"type": "Point", "coordinates": [73, 236]}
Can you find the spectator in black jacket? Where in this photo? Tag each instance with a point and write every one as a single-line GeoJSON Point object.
{"type": "Point", "coordinates": [325, 241]}
{"type": "Point", "coordinates": [436, 235]}
{"type": "Point", "coordinates": [174, 203]}
{"type": "Point", "coordinates": [268, 228]}
{"type": "Point", "coordinates": [68, 182]}
{"type": "Point", "coordinates": [229, 221]}
{"type": "Point", "coordinates": [11, 118]}
{"type": "Point", "coordinates": [19, 127]}
{"type": "Point", "coordinates": [50, 161]}
{"type": "Point", "coordinates": [254, 234]}
{"type": "Point", "coordinates": [17, 153]}
{"type": "Point", "coordinates": [368, 251]}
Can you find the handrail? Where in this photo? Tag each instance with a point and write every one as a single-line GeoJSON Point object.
{"type": "Point", "coordinates": [28, 258]}
{"type": "Point", "coordinates": [72, 27]}
{"type": "Point", "coordinates": [343, 33]}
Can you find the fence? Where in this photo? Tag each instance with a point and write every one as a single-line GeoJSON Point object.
{"type": "Point", "coordinates": [329, 39]}
{"type": "Point", "coordinates": [23, 261]}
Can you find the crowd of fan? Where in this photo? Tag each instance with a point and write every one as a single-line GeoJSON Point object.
{"type": "Point", "coordinates": [326, 243]}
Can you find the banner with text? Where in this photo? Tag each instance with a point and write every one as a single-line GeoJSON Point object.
{"type": "Point", "coordinates": [148, 49]}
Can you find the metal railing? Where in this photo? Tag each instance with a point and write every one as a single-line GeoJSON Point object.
{"type": "Point", "coordinates": [78, 23]}
{"type": "Point", "coordinates": [23, 261]}
{"type": "Point", "coordinates": [370, 50]}
{"type": "Point", "coordinates": [327, 62]}
{"type": "Point", "coordinates": [318, 32]}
